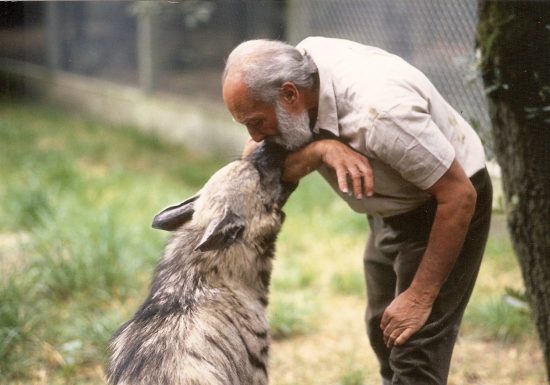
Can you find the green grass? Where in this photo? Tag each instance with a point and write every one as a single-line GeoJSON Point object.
{"type": "Point", "coordinates": [490, 314]}
{"type": "Point", "coordinates": [497, 319]}
{"type": "Point", "coordinates": [84, 194]}
{"type": "Point", "coordinates": [20, 318]}
{"type": "Point", "coordinates": [348, 283]}
{"type": "Point", "coordinates": [353, 377]}
{"type": "Point", "coordinates": [80, 196]}
{"type": "Point", "coordinates": [292, 314]}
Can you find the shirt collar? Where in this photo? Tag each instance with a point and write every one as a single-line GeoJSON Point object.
{"type": "Point", "coordinates": [327, 117]}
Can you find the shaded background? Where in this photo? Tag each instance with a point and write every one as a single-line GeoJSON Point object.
{"type": "Point", "coordinates": [178, 48]}
{"type": "Point", "coordinates": [80, 183]}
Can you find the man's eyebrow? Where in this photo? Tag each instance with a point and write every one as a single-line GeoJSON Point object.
{"type": "Point", "coordinates": [253, 119]}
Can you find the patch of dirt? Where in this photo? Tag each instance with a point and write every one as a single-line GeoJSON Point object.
{"type": "Point", "coordinates": [339, 346]}
{"type": "Point", "coordinates": [482, 362]}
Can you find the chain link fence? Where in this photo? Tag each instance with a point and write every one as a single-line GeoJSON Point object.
{"type": "Point", "coordinates": [179, 46]}
{"type": "Point", "coordinates": [438, 37]}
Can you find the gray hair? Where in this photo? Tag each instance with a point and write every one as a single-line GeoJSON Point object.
{"type": "Point", "coordinates": [266, 64]}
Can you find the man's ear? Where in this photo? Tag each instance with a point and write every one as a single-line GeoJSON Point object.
{"type": "Point", "coordinates": [289, 93]}
{"type": "Point", "coordinates": [174, 216]}
{"type": "Point", "coordinates": [222, 232]}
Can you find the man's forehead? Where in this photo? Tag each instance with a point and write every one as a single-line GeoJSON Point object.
{"type": "Point", "coordinates": [239, 100]}
{"type": "Point", "coordinates": [235, 92]}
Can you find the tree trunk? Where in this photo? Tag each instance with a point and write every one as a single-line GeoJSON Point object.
{"type": "Point", "coordinates": [514, 38]}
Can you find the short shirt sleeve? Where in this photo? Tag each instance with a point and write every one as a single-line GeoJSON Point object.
{"type": "Point", "coordinates": [407, 139]}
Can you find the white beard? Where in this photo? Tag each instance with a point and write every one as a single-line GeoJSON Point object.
{"type": "Point", "coordinates": [294, 130]}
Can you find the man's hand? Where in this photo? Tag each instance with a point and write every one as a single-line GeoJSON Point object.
{"type": "Point", "coordinates": [404, 317]}
{"type": "Point", "coordinates": [456, 199]}
{"type": "Point", "coordinates": [339, 157]}
{"type": "Point", "coordinates": [349, 164]}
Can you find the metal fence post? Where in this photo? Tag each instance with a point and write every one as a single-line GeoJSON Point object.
{"type": "Point", "coordinates": [147, 63]}
{"type": "Point", "coordinates": [53, 20]}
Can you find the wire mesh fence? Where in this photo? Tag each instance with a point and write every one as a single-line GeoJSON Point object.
{"type": "Point", "coordinates": [438, 37]}
{"type": "Point", "coordinates": [180, 46]}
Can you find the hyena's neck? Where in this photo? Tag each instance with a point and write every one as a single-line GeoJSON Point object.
{"type": "Point", "coordinates": [246, 266]}
{"type": "Point", "coordinates": [186, 273]}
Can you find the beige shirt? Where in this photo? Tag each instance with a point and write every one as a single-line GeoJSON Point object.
{"type": "Point", "coordinates": [389, 111]}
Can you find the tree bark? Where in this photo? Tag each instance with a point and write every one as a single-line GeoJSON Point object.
{"type": "Point", "coordinates": [514, 38]}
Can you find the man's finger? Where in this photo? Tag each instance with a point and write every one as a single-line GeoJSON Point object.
{"type": "Point", "coordinates": [388, 331]}
{"type": "Point", "coordinates": [384, 321]}
{"type": "Point", "coordinates": [388, 341]}
{"type": "Point", "coordinates": [404, 337]}
{"type": "Point", "coordinates": [368, 183]}
{"type": "Point", "coordinates": [342, 176]}
{"type": "Point", "coordinates": [392, 337]}
{"type": "Point", "coordinates": [357, 184]}
{"type": "Point", "coordinates": [368, 179]}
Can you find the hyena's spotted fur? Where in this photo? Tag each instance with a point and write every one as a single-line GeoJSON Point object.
{"type": "Point", "coordinates": [204, 321]}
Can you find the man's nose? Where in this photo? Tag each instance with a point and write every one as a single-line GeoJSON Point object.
{"type": "Point", "coordinates": [256, 135]}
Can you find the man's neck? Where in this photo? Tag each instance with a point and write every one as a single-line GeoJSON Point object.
{"type": "Point", "coordinates": [312, 101]}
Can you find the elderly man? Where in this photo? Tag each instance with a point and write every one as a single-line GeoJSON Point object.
{"type": "Point", "coordinates": [391, 146]}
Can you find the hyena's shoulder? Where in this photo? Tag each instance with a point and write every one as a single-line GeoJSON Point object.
{"type": "Point", "coordinates": [234, 329]}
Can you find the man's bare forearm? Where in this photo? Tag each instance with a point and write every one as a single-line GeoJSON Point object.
{"type": "Point", "coordinates": [409, 311]}
{"type": "Point", "coordinates": [344, 161]}
{"type": "Point", "coordinates": [303, 161]}
{"type": "Point", "coordinates": [447, 236]}
{"type": "Point", "coordinates": [456, 198]}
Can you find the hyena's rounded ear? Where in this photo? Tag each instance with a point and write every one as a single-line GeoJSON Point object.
{"type": "Point", "coordinates": [222, 232]}
{"type": "Point", "coordinates": [174, 216]}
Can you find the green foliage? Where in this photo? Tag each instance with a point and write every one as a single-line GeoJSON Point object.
{"type": "Point", "coordinates": [97, 260]}
{"type": "Point", "coordinates": [508, 31]}
{"type": "Point", "coordinates": [26, 205]}
{"type": "Point", "coordinates": [20, 317]}
{"type": "Point", "coordinates": [291, 315]}
{"type": "Point", "coordinates": [500, 319]}
{"type": "Point", "coordinates": [517, 299]}
{"type": "Point", "coordinates": [348, 283]}
{"type": "Point", "coordinates": [319, 209]}
{"type": "Point", "coordinates": [352, 377]}
{"type": "Point", "coordinates": [83, 195]}
{"type": "Point", "coordinates": [489, 36]}
{"type": "Point", "coordinates": [293, 274]}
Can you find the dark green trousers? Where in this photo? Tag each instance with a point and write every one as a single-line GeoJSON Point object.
{"type": "Point", "coordinates": [393, 253]}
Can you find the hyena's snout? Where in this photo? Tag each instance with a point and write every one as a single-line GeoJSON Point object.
{"type": "Point", "coordinates": [269, 160]}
